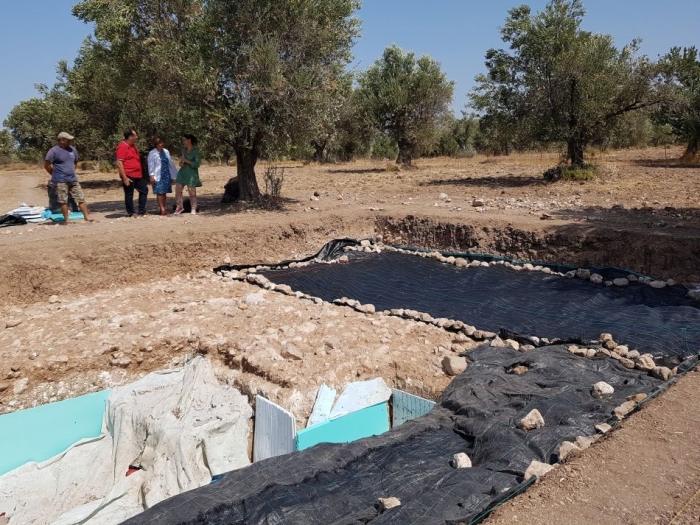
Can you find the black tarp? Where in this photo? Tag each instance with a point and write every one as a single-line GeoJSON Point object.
{"type": "Point", "coordinates": [660, 321]}
{"type": "Point", "coordinates": [477, 414]}
{"type": "Point", "coordinates": [11, 220]}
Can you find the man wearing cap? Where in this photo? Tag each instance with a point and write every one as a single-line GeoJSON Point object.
{"type": "Point", "coordinates": [129, 166]}
{"type": "Point", "coordinates": [60, 163]}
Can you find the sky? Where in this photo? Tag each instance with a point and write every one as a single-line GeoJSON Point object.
{"type": "Point", "coordinates": [36, 34]}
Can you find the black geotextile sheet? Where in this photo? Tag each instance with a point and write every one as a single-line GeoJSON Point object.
{"type": "Point", "coordinates": [663, 322]}
{"type": "Point", "coordinates": [477, 414]}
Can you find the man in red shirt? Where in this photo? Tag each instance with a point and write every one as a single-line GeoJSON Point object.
{"type": "Point", "coordinates": [129, 166]}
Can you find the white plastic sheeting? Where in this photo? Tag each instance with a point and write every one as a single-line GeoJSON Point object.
{"type": "Point", "coordinates": [180, 427]}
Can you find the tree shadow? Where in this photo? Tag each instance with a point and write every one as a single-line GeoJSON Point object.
{"type": "Point", "coordinates": [509, 181]}
{"type": "Point", "coordinates": [357, 171]}
{"type": "Point", "coordinates": [669, 218]}
{"type": "Point", "coordinates": [100, 184]}
{"type": "Point", "coordinates": [208, 205]}
{"type": "Point", "coordinates": [666, 163]}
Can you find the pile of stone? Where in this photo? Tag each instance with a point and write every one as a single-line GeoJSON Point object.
{"type": "Point", "coordinates": [631, 359]}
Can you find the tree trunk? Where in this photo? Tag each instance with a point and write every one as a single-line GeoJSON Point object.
{"type": "Point", "coordinates": [245, 167]}
{"type": "Point", "coordinates": [319, 148]}
{"type": "Point", "coordinates": [692, 152]}
{"type": "Point", "coordinates": [575, 149]}
{"type": "Point", "coordinates": [405, 157]}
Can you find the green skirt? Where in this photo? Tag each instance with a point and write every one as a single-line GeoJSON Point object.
{"type": "Point", "coordinates": [188, 177]}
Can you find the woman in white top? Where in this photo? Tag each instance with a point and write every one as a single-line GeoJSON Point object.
{"type": "Point", "coordinates": [162, 170]}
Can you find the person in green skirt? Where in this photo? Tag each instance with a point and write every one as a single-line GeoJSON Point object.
{"type": "Point", "coordinates": [188, 174]}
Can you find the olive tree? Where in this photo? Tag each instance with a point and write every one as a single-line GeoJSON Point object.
{"type": "Point", "coordinates": [559, 83]}
{"type": "Point", "coordinates": [407, 98]}
{"type": "Point", "coordinates": [680, 72]}
{"type": "Point", "coordinates": [270, 65]}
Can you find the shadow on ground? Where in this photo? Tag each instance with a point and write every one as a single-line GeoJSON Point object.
{"type": "Point", "coordinates": [509, 181]}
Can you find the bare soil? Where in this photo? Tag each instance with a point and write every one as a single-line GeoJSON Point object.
{"type": "Point", "coordinates": [136, 295]}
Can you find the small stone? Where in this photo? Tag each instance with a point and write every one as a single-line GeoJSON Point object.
{"type": "Point", "coordinates": [624, 409]}
{"type": "Point", "coordinates": [584, 442]}
{"type": "Point", "coordinates": [476, 203]}
{"type": "Point", "coordinates": [4, 385]}
{"type": "Point", "coordinates": [443, 196]}
{"type": "Point", "coordinates": [670, 283]}
{"type": "Point", "coordinates": [532, 421]}
{"type": "Point", "coordinates": [461, 460]}
{"type": "Point", "coordinates": [54, 299]}
{"type": "Point", "coordinates": [622, 350]}
{"type": "Point", "coordinates": [527, 348]}
{"type": "Point", "coordinates": [610, 345]}
{"type": "Point", "coordinates": [596, 278]}
{"type": "Point", "coordinates": [292, 353]}
{"type": "Point", "coordinates": [605, 337]}
{"type": "Point", "coordinates": [583, 273]}
{"type": "Point", "coordinates": [461, 263]}
{"type": "Point", "coordinates": [367, 308]}
{"type": "Point", "coordinates": [633, 354]}
{"type": "Point", "coordinates": [602, 389]}
{"type": "Point", "coordinates": [365, 243]}
{"type": "Point", "coordinates": [603, 353]}
{"type": "Point", "coordinates": [627, 363]}
{"type": "Point", "coordinates": [59, 359]}
{"type": "Point", "coordinates": [637, 398]}
{"type": "Point", "coordinates": [254, 298]}
{"type": "Point", "coordinates": [632, 278]}
{"type": "Point", "coordinates": [537, 469]}
{"type": "Point", "coordinates": [20, 386]}
{"type": "Point", "coordinates": [510, 343]}
{"type": "Point", "coordinates": [657, 284]}
{"type": "Point", "coordinates": [11, 323]}
{"type": "Point", "coordinates": [621, 281]}
{"type": "Point", "coordinates": [645, 363]}
{"type": "Point", "coordinates": [518, 370]}
{"type": "Point", "coordinates": [662, 372]}
{"type": "Point", "coordinates": [388, 503]}
{"type": "Point", "coordinates": [573, 349]}
{"type": "Point", "coordinates": [603, 428]}
{"type": "Point", "coordinates": [497, 342]}
{"type": "Point", "coordinates": [454, 365]}
{"type": "Point", "coordinates": [567, 448]}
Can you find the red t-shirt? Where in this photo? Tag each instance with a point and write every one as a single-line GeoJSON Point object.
{"type": "Point", "coordinates": [129, 155]}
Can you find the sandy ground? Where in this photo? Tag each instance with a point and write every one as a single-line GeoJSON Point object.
{"type": "Point", "coordinates": [135, 295]}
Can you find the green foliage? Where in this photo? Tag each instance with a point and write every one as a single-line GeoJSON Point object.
{"type": "Point", "coordinates": [559, 83]}
{"type": "Point", "coordinates": [406, 97]}
{"type": "Point", "coordinates": [383, 146]}
{"type": "Point", "coordinates": [680, 73]}
{"type": "Point", "coordinates": [7, 146]}
{"type": "Point", "coordinates": [572, 173]}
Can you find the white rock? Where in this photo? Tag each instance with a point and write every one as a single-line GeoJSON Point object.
{"type": "Point", "coordinates": [453, 365]}
{"type": "Point", "coordinates": [583, 273]}
{"type": "Point", "coordinates": [54, 299]}
{"type": "Point", "coordinates": [20, 386]}
{"type": "Point", "coordinates": [388, 503]}
{"type": "Point", "coordinates": [537, 469]}
{"type": "Point", "coordinates": [596, 278]}
{"type": "Point", "coordinates": [532, 421]}
{"type": "Point", "coordinates": [11, 323]}
{"type": "Point", "coordinates": [662, 372]}
{"type": "Point", "coordinates": [443, 196]}
{"type": "Point", "coordinates": [497, 342]}
{"type": "Point", "coordinates": [658, 284]}
{"type": "Point", "coordinates": [602, 389]}
{"type": "Point", "coordinates": [584, 442]}
{"type": "Point", "coordinates": [253, 298]}
{"type": "Point", "coordinates": [603, 428]}
{"type": "Point", "coordinates": [621, 281]}
{"type": "Point", "coordinates": [365, 243]}
{"type": "Point", "coordinates": [461, 460]}
{"type": "Point", "coordinates": [645, 363]}
{"type": "Point", "coordinates": [461, 263]}
{"type": "Point", "coordinates": [510, 343]}
{"type": "Point", "coordinates": [567, 448]}
{"type": "Point", "coordinates": [624, 409]}
{"type": "Point", "coordinates": [292, 353]}
{"type": "Point", "coordinates": [670, 282]}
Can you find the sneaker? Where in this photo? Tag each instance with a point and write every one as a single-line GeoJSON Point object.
{"type": "Point", "coordinates": [178, 210]}
{"type": "Point", "coordinates": [193, 212]}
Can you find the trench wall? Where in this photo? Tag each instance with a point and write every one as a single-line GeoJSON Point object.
{"type": "Point", "coordinates": [655, 254]}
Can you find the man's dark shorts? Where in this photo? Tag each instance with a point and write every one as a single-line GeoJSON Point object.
{"type": "Point", "coordinates": [63, 189]}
